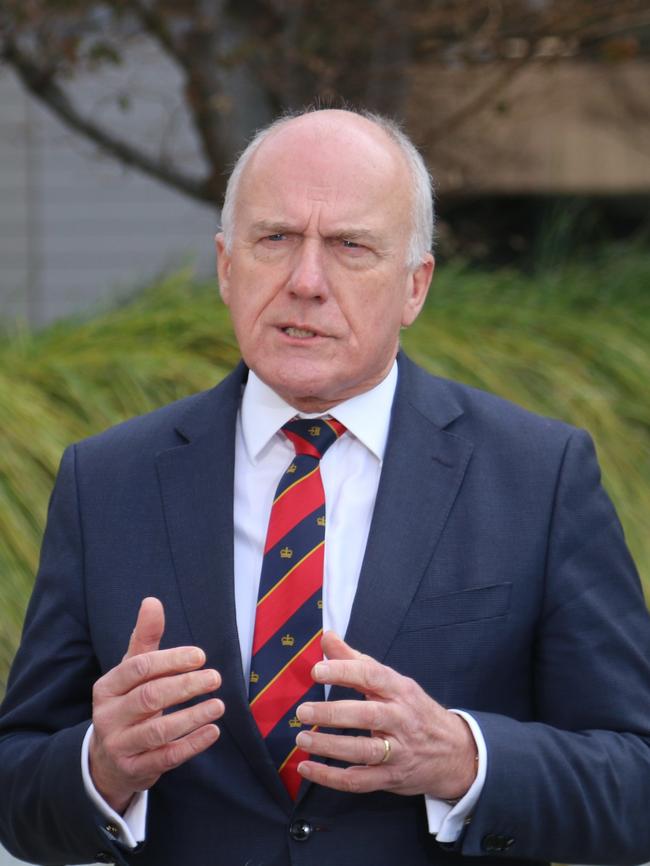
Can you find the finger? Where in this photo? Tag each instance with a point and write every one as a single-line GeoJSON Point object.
{"type": "Point", "coordinates": [367, 715]}
{"type": "Point", "coordinates": [156, 695]}
{"type": "Point", "coordinates": [334, 647]}
{"type": "Point", "coordinates": [149, 666]}
{"type": "Point", "coordinates": [149, 628]}
{"type": "Point", "coordinates": [353, 750]}
{"type": "Point", "coordinates": [354, 780]}
{"type": "Point", "coordinates": [363, 674]}
{"type": "Point", "coordinates": [163, 729]}
{"type": "Point", "coordinates": [152, 764]}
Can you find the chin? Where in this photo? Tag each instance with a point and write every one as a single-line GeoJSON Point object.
{"type": "Point", "coordinates": [305, 393]}
{"type": "Point", "coordinates": [300, 378]}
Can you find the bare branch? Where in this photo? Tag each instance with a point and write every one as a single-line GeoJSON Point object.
{"type": "Point", "coordinates": [617, 26]}
{"type": "Point", "coordinates": [43, 86]}
{"type": "Point", "coordinates": [155, 25]}
{"type": "Point", "coordinates": [194, 48]}
{"type": "Point", "coordinates": [564, 22]}
{"type": "Point", "coordinates": [485, 96]}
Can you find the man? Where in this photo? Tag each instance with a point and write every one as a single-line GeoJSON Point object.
{"type": "Point", "coordinates": [494, 623]}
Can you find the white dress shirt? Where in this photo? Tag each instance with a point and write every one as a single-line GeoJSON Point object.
{"type": "Point", "coordinates": [350, 471]}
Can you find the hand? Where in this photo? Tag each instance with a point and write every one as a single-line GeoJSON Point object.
{"type": "Point", "coordinates": [133, 743]}
{"type": "Point", "coordinates": [432, 751]}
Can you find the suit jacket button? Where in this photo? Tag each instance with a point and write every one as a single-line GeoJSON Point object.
{"type": "Point", "coordinates": [300, 830]}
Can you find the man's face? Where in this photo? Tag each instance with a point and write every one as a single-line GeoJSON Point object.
{"type": "Point", "coordinates": [316, 281]}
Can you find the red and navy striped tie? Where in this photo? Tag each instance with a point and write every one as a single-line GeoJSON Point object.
{"type": "Point", "coordinates": [289, 618]}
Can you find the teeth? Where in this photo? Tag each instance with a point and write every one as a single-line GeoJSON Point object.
{"type": "Point", "coordinates": [298, 332]}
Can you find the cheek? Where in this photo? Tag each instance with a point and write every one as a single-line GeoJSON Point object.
{"type": "Point", "coordinates": [244, 320]}
{"type": "Point", "coordinates": [250, 311]}
{"type": "Point", "coordinates": [375, 315]}
{"type": "Point", "coordinates": [253, 289]}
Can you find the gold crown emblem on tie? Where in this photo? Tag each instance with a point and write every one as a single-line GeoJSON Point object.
{"type": "Point", "coordinates": [286, 553]}
{"type": "Point", "coordinates": [288, 640]}
{"type": "Point", "coordinates": [292, 469]}
{"type": "Point", "coordinates": [314, 431]}
{"type": "Point", "coordinates": [255, 678]}
{"type": "Point", "coordinates": [320, 521]}
{"type": "Point", "coordinates": [319, 604]}
{"type": "Point", "coordinates": [295, 722]}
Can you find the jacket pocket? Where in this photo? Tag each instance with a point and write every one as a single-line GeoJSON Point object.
{"type": "Point", "coordinates": [468, 605]}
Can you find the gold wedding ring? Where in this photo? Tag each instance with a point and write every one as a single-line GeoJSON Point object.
{"type": "Point", "coordinates": [387, 748]}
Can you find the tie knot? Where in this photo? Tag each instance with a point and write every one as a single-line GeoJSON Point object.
{"type": "Point", "coordinates": [313, 436]}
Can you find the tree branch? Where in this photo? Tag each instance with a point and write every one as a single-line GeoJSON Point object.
{"type": "Point", "coordinates": [484, 97]}
{"type": "Point", "coordinates": [154, 24]}
{"type": "Point", "coordinates": [195, 53]}
{"type": "Point", "coordinates": [43, 86]}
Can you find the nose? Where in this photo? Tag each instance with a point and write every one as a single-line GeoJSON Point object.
{"type": "Point", "coordinates": [308, 277]}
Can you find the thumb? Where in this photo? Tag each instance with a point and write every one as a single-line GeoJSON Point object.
{"type": "Point", "coordinates": [149, 628]}
{"type": "Point", "coordinates": [334, 647]}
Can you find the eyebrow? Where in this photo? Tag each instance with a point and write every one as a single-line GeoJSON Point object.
{"type": "Point", "coordinates": [269, 227]}
{"type": "Point", "coordinates": [351, 233]}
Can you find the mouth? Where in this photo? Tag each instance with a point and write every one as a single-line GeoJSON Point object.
{"type": "Point", "coordinates": [299, 333]}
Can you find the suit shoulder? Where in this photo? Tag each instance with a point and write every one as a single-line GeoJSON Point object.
{"type": "Point", "coordinates": [481, 416]}
{"type": "Point", "coordinates": [145, 434]}
{"type": "Point", "coordinates": [168, 426]}
{"type": "Point", "coordinates": [506, 417]}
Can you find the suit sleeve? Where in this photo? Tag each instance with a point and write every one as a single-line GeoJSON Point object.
{"type": "Point", "coordinates": [573, 785]}
{"type": "Point", "coordinates": [45, 815]}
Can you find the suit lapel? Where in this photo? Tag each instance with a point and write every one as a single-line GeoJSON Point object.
{"type": "Point", "coordinates": [422, 473]}
{"type": "Point", "coordinates": [197, 483]}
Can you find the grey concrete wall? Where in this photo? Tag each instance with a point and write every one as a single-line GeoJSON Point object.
{"type": "Point", "coordinates": [76, 227]}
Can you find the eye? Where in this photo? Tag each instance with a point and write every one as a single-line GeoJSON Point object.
{"type": "Point", "coordinates": [352, 249]}
{"type": "Point", "coordinates": [277, 236]}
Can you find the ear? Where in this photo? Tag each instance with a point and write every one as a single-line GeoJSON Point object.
{"type": "Point", "coordinates": [419, 281]}
{"type": "Point", "coordinates": [223, 267]}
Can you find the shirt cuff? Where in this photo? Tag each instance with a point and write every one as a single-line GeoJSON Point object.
{"type": "Point", "coordinates": [131, 825]}
{"type": "Point", "coordinates": [446, 821]}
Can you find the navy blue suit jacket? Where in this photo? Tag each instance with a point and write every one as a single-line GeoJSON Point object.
{"type": "Point", "coordinates": [496, 575]}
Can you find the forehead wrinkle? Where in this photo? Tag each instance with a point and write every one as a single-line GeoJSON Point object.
{"type": "Point", "coordinates": [289, 219]}
{"type": "Point", "coordinates": [319, 193]}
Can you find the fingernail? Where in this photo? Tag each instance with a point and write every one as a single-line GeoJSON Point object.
{"type": "Point", "coordinates": [305, 713]}
{"type": "Point", "coordinates": [212, 733]}
{"type": "Point", "coordinates": [195, 656]}
{"type": "Point", "coordinates": [211, 678]}
{"type": "Point", "coordinates": [304, 740]}
{"type": "Point", "coordinates": [302, 769]}
{"type": "Point", "coordinates": [321, 670]}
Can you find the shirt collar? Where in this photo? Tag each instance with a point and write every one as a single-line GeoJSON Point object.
{"type": "Point", "coordinates": [366, 416]}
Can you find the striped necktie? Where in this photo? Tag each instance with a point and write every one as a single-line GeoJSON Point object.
{"type": "Point", "coordinates": [289, 619]}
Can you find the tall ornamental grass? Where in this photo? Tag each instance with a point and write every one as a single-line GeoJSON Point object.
{"type": "Point", "coordinates": [571, 342]}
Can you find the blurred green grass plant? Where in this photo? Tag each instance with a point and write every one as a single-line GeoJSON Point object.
{"type": "Point", "coordinates": [572, 341]}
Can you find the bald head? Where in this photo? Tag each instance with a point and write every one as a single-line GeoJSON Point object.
{"type": "Point", "coordinates": [367, 139]}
